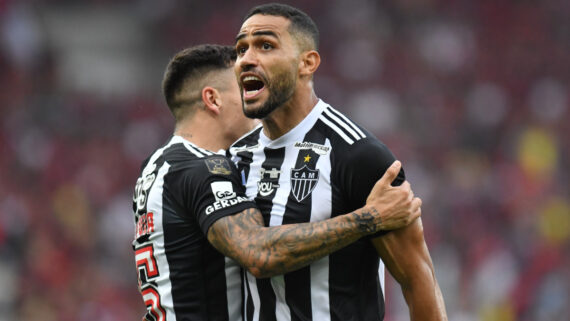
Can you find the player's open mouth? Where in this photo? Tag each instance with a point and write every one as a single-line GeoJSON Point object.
{"type": "Point", "coordinates": [252, 86]}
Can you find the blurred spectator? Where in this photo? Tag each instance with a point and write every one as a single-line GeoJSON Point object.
{"type": "Point", "coordinates": [472, 96]}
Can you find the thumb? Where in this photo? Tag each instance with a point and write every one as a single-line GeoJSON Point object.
{"type": "Point", "coordinates": [391, 173]}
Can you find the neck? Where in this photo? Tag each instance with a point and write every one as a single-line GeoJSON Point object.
{"type": "Point", "coordinates": [290, 114]}
{"type": "Point", "coordinates": [200, 133]}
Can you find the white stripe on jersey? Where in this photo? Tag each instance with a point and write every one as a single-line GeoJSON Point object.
{"type": "Point", "coordinates": [154, 205]}
{"type": "Point", "coordinates": [321, 209]}
{"type": "Point", "coordinates": [194, 150]}
{"type": "Point", "coordinates": [205, 151]}
{"type": "Point", "coordinates": [150, 166]}
{"type": "Point", "coordinates": [381, 275]}
{"type": "Point", "coordinates": [282, 194]}
{"type": "Point", "coordinates": [233, 289]}
{"type": "Point", "coordinates": [320, 301]}
{"type": "Point", "coordinates": [198, 151]}
{"type": "Point", "coordinates": [322, 193]}
{"type": "Point", "coordinates": [342, 123]}
{"type": "Point", "coordinates": [250, 279]}
{"type": "Point", "coordinates": [336, 129]}
{"type": "Point", "coordinates": [348, 121]}
{"type": "Point", "coordinates": [282, 311]}
{"type": "Point", "coordinates": [251, 192]}
{"type": "Point", "coordinates": [254, 174]}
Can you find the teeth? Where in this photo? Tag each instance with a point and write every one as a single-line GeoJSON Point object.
{"type": "Point", "coordinates": [248, 78]}
{"type": "Point", "coordinates": [252, 92]}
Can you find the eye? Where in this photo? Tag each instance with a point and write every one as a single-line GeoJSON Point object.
{"type": "Point", "coordinates": [267, 46]}
{"type": "Point", "coordinates": [240, 50]}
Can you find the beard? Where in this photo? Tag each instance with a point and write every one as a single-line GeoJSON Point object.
{"type": "Point", "coordinates": [281, 88]}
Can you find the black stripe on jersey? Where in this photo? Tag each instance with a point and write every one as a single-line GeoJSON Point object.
{"type": "Point", "coordinates": [246, 157]}
{"type": "Point", "coordinates": [299, 282]}
{"type": "Point", "coordinates": [247, 308]}
{"type": "Point", "coordinates": [267, 188]}
{"type": "Point", "coordinates": [269, 181]}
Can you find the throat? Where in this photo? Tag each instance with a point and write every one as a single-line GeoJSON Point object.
{"type": "Point", "coordinates": [185, 135]}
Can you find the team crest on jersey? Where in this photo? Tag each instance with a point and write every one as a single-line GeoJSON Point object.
{"type": "Point", "coordinates": [219, 166]}
{"type": "Point", "coordinates": [303, 182]}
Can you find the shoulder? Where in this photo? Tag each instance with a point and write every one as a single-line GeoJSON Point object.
{"type": "Point", "coordinates": [340, 129]}
{"type": "Point", "coordinates": [182, 150]}
{"type": "Point", "coordinates": [355, 150]}
{"type": "Point", "coordinates": [184, 158]}
{"type": "Point", "coordinates": [350, 139]}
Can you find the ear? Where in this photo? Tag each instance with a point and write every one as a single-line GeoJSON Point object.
{"type": "Point", "coordinates": [309, 63]}
{"type": "Point", "coordinates": [212, 99]}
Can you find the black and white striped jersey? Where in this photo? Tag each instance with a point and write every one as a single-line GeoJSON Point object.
{"type": "Point", "coordinates": [324, 167]}
{"type": "Point", "coordinates": [182, 191]}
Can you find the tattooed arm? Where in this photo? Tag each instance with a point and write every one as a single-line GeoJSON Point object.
{"type": "Point", "coordinates": [267, 251]}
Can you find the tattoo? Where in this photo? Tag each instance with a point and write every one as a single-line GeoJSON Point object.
{"type": "Point", "coordinates": [366, 220]}
{"type": "Point", "coordinates": [268, 251]}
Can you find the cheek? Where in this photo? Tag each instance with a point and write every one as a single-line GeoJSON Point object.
{"type": "Point", "coordinates": [286, 71]}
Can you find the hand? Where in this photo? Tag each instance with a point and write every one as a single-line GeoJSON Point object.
{"type": "Point", "coordinates": [394, 206]}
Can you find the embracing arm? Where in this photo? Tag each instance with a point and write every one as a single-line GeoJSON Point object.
{"type": "Point", "coordinates": [267, 251]}
{"type": "Point", "coordinates": [406, 256]}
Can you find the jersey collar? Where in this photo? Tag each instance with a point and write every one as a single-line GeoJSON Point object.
{"type": "Point", "coordinates": [298, 132]}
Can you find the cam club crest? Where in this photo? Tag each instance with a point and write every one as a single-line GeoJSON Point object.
{"type": "Point", "coordinates": [303, 182]}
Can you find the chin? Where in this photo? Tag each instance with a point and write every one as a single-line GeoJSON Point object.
{"type": "Point", "coordinates": [253, 110]}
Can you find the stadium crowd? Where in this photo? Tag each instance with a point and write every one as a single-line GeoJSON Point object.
{"type": "Point", "coordinates": [472, 96]}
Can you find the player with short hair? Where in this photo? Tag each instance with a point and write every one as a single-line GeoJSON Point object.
{"type": "Point", "coordinates": [190, 208]}
{"type": "Point", "coordinates": [310, 163]}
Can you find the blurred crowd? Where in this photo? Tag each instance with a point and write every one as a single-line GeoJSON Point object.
{"type": "Point", "coordinates": [472, 96]}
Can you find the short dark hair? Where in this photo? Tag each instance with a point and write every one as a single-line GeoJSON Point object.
{"type": "Point", "coordinates": [300, 21]}
{"type": "Point", "coordinates": [193, 64]}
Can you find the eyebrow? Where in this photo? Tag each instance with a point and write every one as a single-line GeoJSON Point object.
{"type": "Point", "coordinates": [257, 33]}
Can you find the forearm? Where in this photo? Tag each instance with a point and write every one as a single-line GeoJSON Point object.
{"type": "Point", "coordinates": [276, 250]}
{"type": "Point", "coordinates": [424, 298]}
{"type": "Point", "coordinates": [286, 248]}
{"type": "Point", "coordinates": [407, 258]}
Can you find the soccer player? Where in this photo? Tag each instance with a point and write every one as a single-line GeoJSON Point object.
{"type": "Point", "coordinates": [190, 208]}
{"type": "Point", "coordinates": [310, 163]}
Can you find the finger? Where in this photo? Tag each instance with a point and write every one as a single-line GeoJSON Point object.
{"type": "Point", "coordinates": [416, 204]}
{"type": "Point", "coordinates": [406, 191]}
{"type": "Point", "coordinates": [391, 173]}
{"type": "Point", "coordinates": [416, 214]}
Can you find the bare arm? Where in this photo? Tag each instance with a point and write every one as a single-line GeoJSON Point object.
{"type": "Point", "coordinates": [267, 251]}
{"type": "Point", "coordinates": [406, 256]}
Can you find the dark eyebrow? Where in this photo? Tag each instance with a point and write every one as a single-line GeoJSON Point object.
{"type": "Point", "coordinates": [257, 33]}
